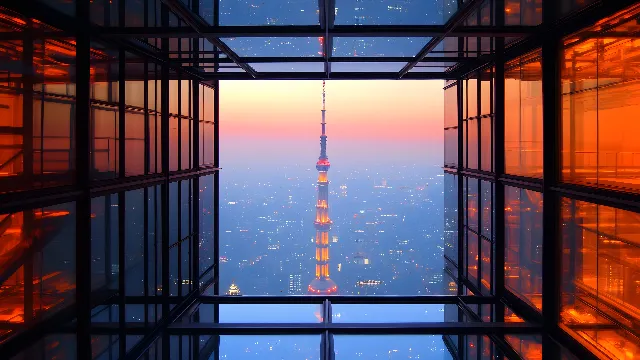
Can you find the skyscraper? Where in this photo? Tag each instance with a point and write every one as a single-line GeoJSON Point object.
{"type": "Point", "coordinates": [295, 284]}
{"type": "Point", "coordinates": [322, 284]}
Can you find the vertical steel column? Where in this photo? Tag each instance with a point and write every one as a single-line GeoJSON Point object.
{"type": "Point", "coordinates": [82, 180]}
{"type": "Point", "coordinates": [27, 161]}
{"type": "Point", "coordinates": [499, 160]}
{"type": "Point", "coordinates": [460, 179]}
{"type": "Point", "coordinates": [164, 105]}
{"type": "Point", "coordinates": [216, 180]}
{"type": "Point", "coordinates": [178, 208]}
{"type": "Point", "coordinates": [195, 245]}
{"type": "Point", "coordinates": [196, 181]}
{"type": "Point", "coordinates": [461, 209]}
{"type": "Point", "coordinates": [28, 80]}
{"type": "Point", "coordinates": [147, 127]}
{"type": "Point", "coordinates": [145, 250]}
{"type": "Point", "coordinates": [216, 207]}
{"type": "Point", "coordinates": [122, 65]}
{"type": "Point", "coordinates": [122, 348]}
{"type": "Point", "coordinates": [552, 126]}
{"type": "Point", "coordinates": [216, 186]}
{"type": "Point", "coordinates": [121, 274]}
{"type": "Point", "coordinates": [179, 95]}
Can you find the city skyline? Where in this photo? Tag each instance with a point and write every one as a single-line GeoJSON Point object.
{"type": "Point", "coordinates": [379, 195]}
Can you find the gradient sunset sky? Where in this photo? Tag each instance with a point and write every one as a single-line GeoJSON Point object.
{"type": "Point", "coordinates": [367, 121]}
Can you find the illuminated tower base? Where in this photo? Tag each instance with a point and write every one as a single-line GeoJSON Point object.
{"type": "Point", "coordinates": [323, 287]}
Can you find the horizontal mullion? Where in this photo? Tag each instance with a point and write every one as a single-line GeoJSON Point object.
{"type": "Point", "coordinates": [308, 31]}
{"type": "Point", "coordinates": [601, 196]}
{"type": "Point", "coordinates": [430, 328]}
{"type": "Point", "coordinates": [346, 299]}
{"type": "Point", "coordinates": [521, 182]}
{"type": "Point", "coordinates": [334, 76]}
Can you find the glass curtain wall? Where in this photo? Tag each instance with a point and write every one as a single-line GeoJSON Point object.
{"type": "Point", "coordinates": [595, 154]}
{"type": "Point", "coordinates": [150, 181]}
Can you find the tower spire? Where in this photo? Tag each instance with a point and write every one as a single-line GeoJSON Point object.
{"type": "Point", "coordinates": [323, 136]}
{"type": "Point", "coordinates": [322, 283]}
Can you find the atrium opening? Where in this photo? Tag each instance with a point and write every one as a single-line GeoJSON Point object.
{"type": "Point", "coordinates": [134, 226]}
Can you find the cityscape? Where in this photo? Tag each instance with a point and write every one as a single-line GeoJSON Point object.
{"type": "Point", "coordinates": [384, 233]}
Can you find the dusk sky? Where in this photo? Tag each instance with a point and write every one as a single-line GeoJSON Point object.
{"type": "Point", "coordinates": [279, 121]}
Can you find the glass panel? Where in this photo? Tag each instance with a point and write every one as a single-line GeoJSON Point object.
{"type": "Point", "coordinates": [451, 147]}
{"type": "Point", "coordinates": [523, 117]}
{"type": "Point", "coordinates": [523, 12]}
{"type": "Point", "coordinates": [174, 150]}
{"type": "Point", "coordinates": [134, 243]}
{"type": "Point", "coordinates": [569, 6]}
{"type": "Point", "coordinates": [430, 68]}
{"type": "Point", "coordinates": [382, 313]}
{"type": "Point", "coordinates": [451, 106]}
{"type": "Point", "coordinates": [486, 143]}
{"type": "Point", "coordinates": [389, 346]}
{"type": "Point", "coordinates": [472, 95]}
{"type": "Point", "coordinates": [271, 313]}
{"type": "Point", "coordinates": [473, 202]}
{"type": "Point", "coordinates": [599, 96]}
{"type": "Point", "coordinates": [272, 12]}
{"type": "Point", "coordinates": [37, 264]}
{"type": "Point", "coordinates": [275, 46]}
{"type": "Point", "coordinates": [134, 143]}
{"type": "Point", "coordinates": [367, 66]}
{"type": "Point", "coordinates": [289, 67]}
{"type": "Point", "coordinates": [523, 237]}
{"type": "Point", "coordinates": [600, 276]}
{"type": "Point", "coordinates": [486, 279]}
{"type": "Point", "coordinates": [529, 347]}
{"type": "Point", "coordinates": [378, 46]}
{"type": "Point", "coordinates": [206, 218]}
{"type": "Point", "coordinates": [104, 242]}
{"type": "Point", "coordinates": [53, 346]}
{"type": "Point", "coordinates": [451, 217]}
{"type": "Point", "coordinates": [472, 144]}
{"type": "Point", "coordinates": [472, 257]}
{"type": "Point", "coordinates": [282, 347]}
{"type": "Point", "coordinates": [487, 193]}
{"type": "Point", "coordinates": [362, 12]}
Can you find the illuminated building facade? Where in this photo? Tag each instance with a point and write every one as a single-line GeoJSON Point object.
{"type": "Point", "coordinates": [234, 290]}
{"type": "Point", "coordinates": [322, 283]}
{"type": "Point", "coordinates": [109, 169]}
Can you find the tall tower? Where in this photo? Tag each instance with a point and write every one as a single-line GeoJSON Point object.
{"type": "Point", "coordinates": [322, 284]}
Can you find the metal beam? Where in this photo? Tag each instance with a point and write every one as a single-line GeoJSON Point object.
{"type": "Point", "coordinates": [458, 18]}
{"type": "Point", "coordinates": [347, 299]}
{"type": "Point", "coordinates": [335, 59]}
{"type": "Point", "coordinates": [430, 328]}
{"type": "Point", "coordinates": [322, 75]}
{"type": "Point", "coordinates": [308, 31]}
{"type": "Point", "coordinates": [199, 25]}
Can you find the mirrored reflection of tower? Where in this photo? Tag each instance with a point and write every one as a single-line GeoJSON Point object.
{"type": "Point", "coordinates": [322, 284]}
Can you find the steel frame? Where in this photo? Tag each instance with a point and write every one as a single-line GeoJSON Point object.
{"type": "Point", "coordinates": [127, 39]}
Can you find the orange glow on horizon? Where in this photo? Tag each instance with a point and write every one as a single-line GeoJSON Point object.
{"type": "Point", "coordinates": [376, 109]}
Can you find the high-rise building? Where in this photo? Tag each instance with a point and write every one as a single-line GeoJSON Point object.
{"type": "Point", "coordinates": [295, 284]}
{"type": "Point", "coordinates": [322, 283]}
